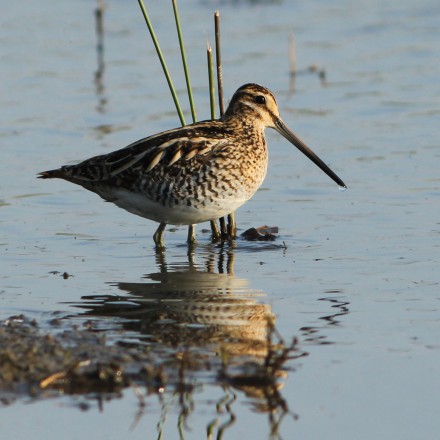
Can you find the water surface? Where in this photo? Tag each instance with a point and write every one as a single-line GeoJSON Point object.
{"type": "Point", "coordinates": [356, 280]}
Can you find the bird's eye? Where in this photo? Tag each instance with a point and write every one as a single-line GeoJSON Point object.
{"type": "Point", "coordinates": [260, 99]}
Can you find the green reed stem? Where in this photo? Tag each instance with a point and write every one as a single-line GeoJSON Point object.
{"type": "Point", "coordinates": [219, 63]}
{"type": "Point", "coordinates": [231, 221]}
{"type": "Point", "coordinates": [211, 81]}
{"type": "Point", "coordinates": [185, 65]}
{"type": "Point", "coordinates": [214, 228]}
{"type": "Point", "coordinates": [162, 62]}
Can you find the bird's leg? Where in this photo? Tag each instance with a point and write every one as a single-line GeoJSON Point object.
{"type": "Point", "coordinates": [215, 231]}
{"type": "Point", "coordinates": [158, 236]}
{"type": "Point", "coordinates": [191, 235]}
{"type": "Point", "coordinates": [232, 226]}
{"type": "Point", "coordinates": [223, 230]}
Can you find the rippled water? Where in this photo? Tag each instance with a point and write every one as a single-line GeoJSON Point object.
{"type": "Point", "coordinates": [353, 275]}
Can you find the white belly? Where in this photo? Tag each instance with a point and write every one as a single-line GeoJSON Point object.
{"type": "Point", "coordinates": [176, 214]}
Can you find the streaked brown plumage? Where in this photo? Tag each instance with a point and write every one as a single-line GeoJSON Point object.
{"type": "Point", "coordinates": [195, 173]}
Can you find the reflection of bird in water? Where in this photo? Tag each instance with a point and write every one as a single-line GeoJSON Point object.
{"type": "Point", "coordinates": [184, 306]}
{"type": "Point", "coordinates": [202, 320]}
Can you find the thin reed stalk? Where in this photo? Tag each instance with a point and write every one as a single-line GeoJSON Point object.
{"type": "Point", "coordinates": [219, 63]}
{"type": "Point", "coordinates": [185, 65]}
{"type": "Point", "coordinates": [214, 229]}
{"type": "Point", "coordinates": [162, 62]}
{"type": "Point", "coordinates": [230, 230]}
{"type": "Point", "coordinates": [211, 81]}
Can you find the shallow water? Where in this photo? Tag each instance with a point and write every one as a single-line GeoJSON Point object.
{"type": "Point", "coordinates": [353, 275]}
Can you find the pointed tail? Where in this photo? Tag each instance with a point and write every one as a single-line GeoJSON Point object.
{"type": "Point", "coordinates": [51, 174]}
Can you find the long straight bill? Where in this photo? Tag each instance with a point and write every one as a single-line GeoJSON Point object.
{"type": "Point", "coordinates": [281, 128]}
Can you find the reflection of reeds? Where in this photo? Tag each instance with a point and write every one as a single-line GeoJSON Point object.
{"type": "Point", "coordinates": [294, 72]}
{"type": "Point", "coordinates": [99, 74]}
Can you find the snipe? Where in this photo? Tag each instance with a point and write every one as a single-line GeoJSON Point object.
{"type": "Point", "coordinates": [195, 173]}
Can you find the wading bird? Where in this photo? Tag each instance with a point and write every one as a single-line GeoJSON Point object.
{"type": "Point", "coordinates": [194, 173]}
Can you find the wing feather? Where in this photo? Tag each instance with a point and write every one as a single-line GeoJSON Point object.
{"type": "Point", "coordinates": [166, 148]}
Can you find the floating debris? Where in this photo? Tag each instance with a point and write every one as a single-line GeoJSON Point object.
{"type": "Point", "coordinates": [262, 233]}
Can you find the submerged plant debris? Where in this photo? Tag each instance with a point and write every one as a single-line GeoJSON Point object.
{"type": "Point", "coordinates": [40, 363]}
